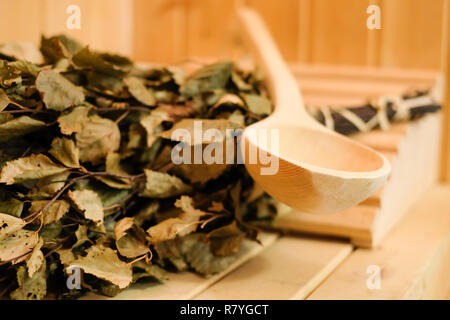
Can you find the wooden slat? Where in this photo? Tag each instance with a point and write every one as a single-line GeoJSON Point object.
{"type": "Point", "coordinates": [445, 159]}
{"type": "Point", "coordinates": [20, 20]}
{"type": "Point", "coordinates": [187, 285]}
{"type": "Point", "coordinates": [411, 34]}
{"type": "Point", "coordinates": [339, 31]}
{"type": "Point", "coordinates": [290, 269]}
{"type": "Point", "coordinates": [414, 259]}
{"type": "Point", "coordinates": [159, 30]}
{"type": "Point", "coordinates": [283, 22]}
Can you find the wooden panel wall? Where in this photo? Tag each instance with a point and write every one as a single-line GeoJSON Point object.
{"type": "Point", "coordinates": [311, 31]}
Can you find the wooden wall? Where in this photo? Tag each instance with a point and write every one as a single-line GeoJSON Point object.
{"type": "Point", "coordinates": [311, 31]}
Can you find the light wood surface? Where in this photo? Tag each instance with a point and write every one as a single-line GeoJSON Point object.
{"type": "Point", "coordinates": [311, 31]}
{"type": "Point", "coordinates": [187, 285]}
{"type": "Point", "coordinates": [414, 259]}
{"type": "Point", "coordinates": [445, 162]}
{"type": "Point", "coordinates": [289, 269]}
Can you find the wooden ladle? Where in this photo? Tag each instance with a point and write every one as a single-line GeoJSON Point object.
{"type": "Point", "coordinates": [319, 171]}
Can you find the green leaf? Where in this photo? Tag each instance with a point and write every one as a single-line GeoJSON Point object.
{"type": "Point", "coordinates": [29, 168]}
{"type": "Point", "coordinates": [98, 137]}
{"type": "Point", "coordinates": [65, 151]}
{"type": "Point", "coordinates": [210, 77]}
{"type": "Point", "coordinates": [107, 64]}
{"type": "Point", "coordinates": [258, 104]}
{"type": "Point", "coordinates": [18, 127]}
{"type": "Point", "coordinates": [10, 205]}
{"type": "Point", "coordinates": [163, 185]}
{"type": "Point", "coordinates": [34, 288]}
{"type": "Point", "coordinates": [139, 91]}
{"type": "Point", "coordinates": [199, 256]}
{"type": "Point", "coordinates": [57, 92]}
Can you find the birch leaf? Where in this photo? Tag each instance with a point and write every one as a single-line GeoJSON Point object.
{"type": "Point", "coordinates": [163, 185]}
{"type": "Point", "coordinates": [65, 151]}
{"type": "Point", "coordinates": [34, 263]}
{"type": "Point", "coordinates": [53, 212]}
{"type": "Point", "coordinates": [104, 263]}
{"type": "Point", "coordinates": [4, 100]}
{"type": "Point", "coordinates": [28, 168]}
{"type": "Point", "coordinates": [18, 244]}
{"type": "Point", "coordinates": [18, 127]}
{"type": "Point", "coordinates": [34, 288]}
{"type": "Point", "coordinates": [98, 137]}
{"type": "Point", "coordinates": [57, 92]}
{"type": "Point", "coordinates": [48, 186]}
{"type": "Point", "coordinates": [199, 256]}
{"type": "Point", "coordinates": [88, 202]}
{"type": "Point", "coordinates": [73, 121]}
{"type": "Point", "coordinates": [121, 227]}
{"type": "Point", "coordinates": [9, 225]}
{"type": "Point", "coordinates": [139, 91]}
{"type": "Point", "coordinates": [258, 104]}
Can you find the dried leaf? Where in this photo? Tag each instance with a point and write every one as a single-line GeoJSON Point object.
{"type": "Point", "coordinates": [258, 104]}
{"type": "Point", "coordinates": [34, 288]}
{"type": "Point", "coordinates": [48, 186]}
{"type": "Point", "coordinates": [9, 225]}
{"type": "Point", "coordinates": [151, 124]}
{"type": "Point", "coordinates": [226, 240]}
{"type": "Point", "coordinates": [210, 77]}
{"type": "Point", "coordinates": [121, 227]}
{"type": "Point", "coordinates": [73, 121]}
{"type": "Point", "coordinates": [10, 205]}
{"type": "Point", "coordinates": [102, 63]}
{"type": "Point", "coordinates": [163, 185]}
{"type": "Point", "coordinates": [184, 224]}
{"type": "Point", "coordinates": [146, 270]}
{"type": "Point", "coordinates": [32, 167]}
{"type": "Point", "coordinates": [18, 244]}
{"type": "Point", "coordinates": [88, 202]}
{"type": "Point", "coordinates": [65, 151]}
{"type": "Point", "coordinates": [57, 92]}
{"type": "Point", "coordinates": [19, 127]}
{"type": "Point", "coordinates": [139, 91]}
{"type": "Point", "coordinates": [21, 50]}
{"type": "Point", "coordinates": [51, 213]}
{"type": "Point", "coordinates": [4, 100]}
{"type": "Point", "coordinates": [104, 263]}
{"type": "Point", "coordinates": [98, 137]}
{"type": "Point", "coordinates": [36, 260]}
{"type": "Point", "coordinates": [199, 256]}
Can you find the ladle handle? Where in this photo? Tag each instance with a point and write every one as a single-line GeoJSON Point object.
{"type": "Point", "coordinates": [282, 85]}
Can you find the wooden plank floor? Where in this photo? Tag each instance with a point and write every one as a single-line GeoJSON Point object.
{"type": "Point", "coordinates": [414, 259]}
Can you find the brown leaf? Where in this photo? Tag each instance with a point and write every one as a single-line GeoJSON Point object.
{"type": "Point", "coordinates": [9, 224]}
{"type": "Point", "coordinates": [28, 168]}
{"type": "Point", "coordinates": [65, 151]}
{"type": "Point", "coordinates": [73, 121]}
{"type": "Point", "coordinates": [51, 213]}
{"type": "Point", "coordinates": [88, 202]}
{"type": "Point", "coordinates": [104, 263]}
{"type": "Point", "coordinates": [18, 244]}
